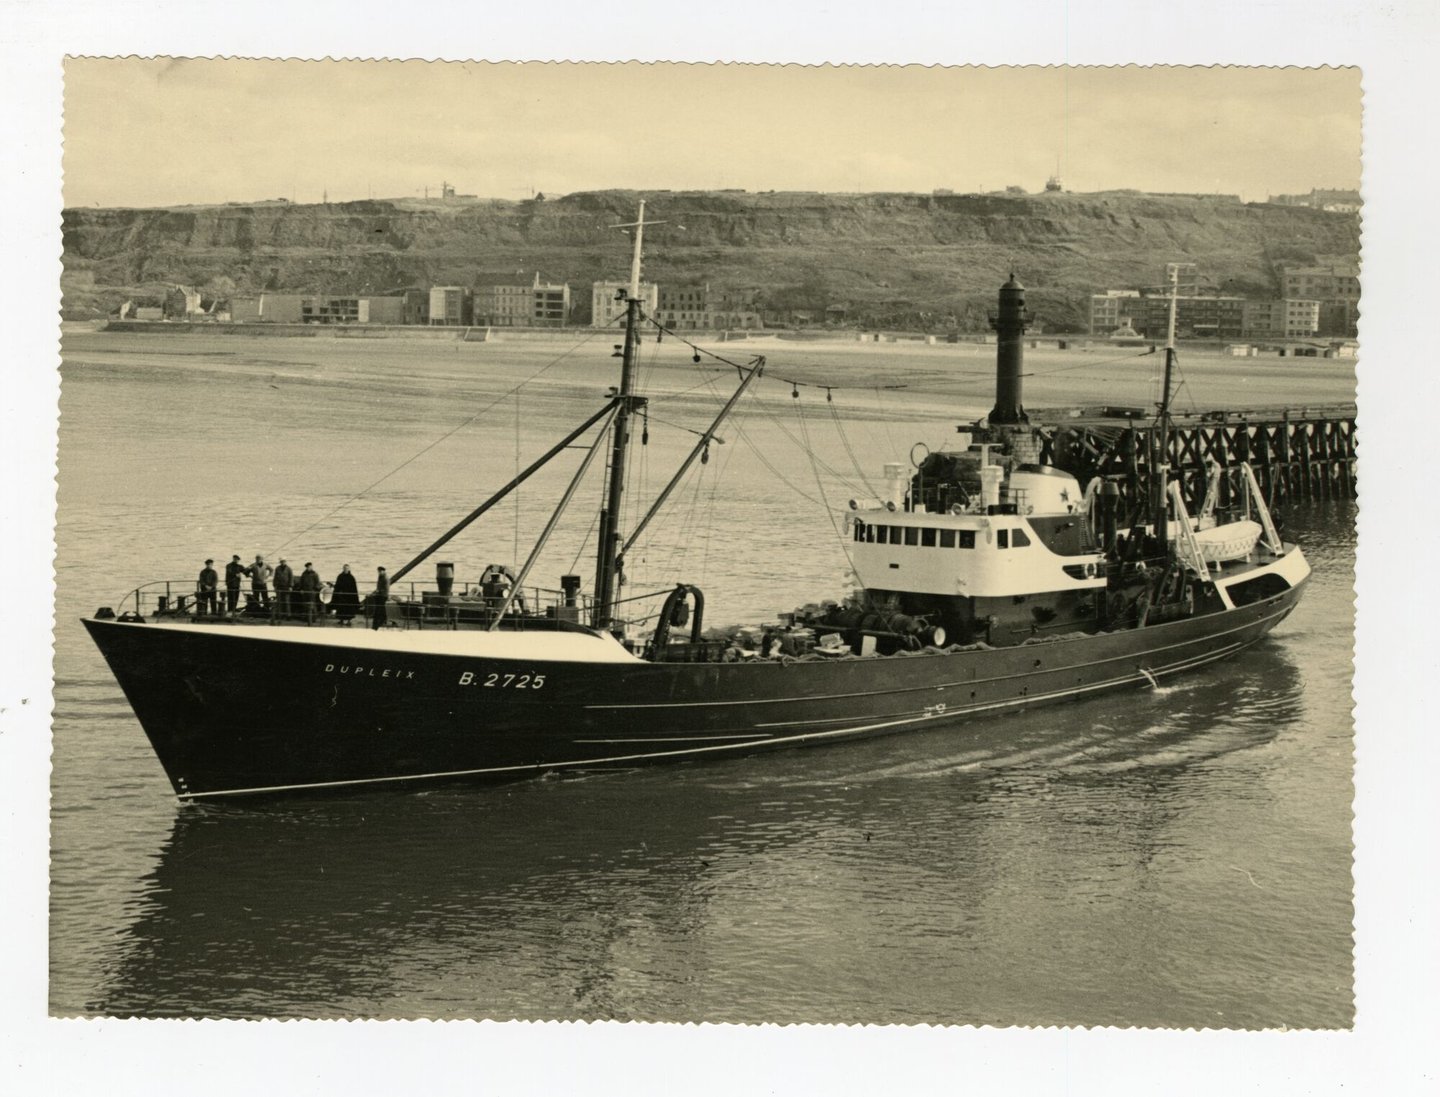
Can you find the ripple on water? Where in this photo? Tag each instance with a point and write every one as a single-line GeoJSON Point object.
{"type": "Point", "coordinates": [996, 870]}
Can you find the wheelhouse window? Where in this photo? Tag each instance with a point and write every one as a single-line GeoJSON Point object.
{"type": "Point", "coordinates": [947, 538]}
{"type": "Point", "coordinates": [1002, 538]}
{"type": "Point", "coordinates": [912, 535]}
{"type": "Point", "coordinates": [967, 538]}
{"type": "Point", "coordinates": [927, 538]}
{"type": "Point", "coordinates": [1018, 538]}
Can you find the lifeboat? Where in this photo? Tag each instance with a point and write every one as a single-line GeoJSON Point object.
{"type": "Point", "coordinates": [1232, 541]}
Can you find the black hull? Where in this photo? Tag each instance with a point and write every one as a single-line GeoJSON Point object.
{"type": "Point", "coordinates": [230, 712]}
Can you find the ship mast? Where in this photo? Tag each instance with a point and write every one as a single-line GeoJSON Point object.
{"type": "Point", "coordinates": [1160, 479]}
{"type": "Point", "coordinates": [609, 563]}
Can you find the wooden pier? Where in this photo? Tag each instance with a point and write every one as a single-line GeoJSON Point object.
{"type": "Point", "coordinates": [1298, 454]}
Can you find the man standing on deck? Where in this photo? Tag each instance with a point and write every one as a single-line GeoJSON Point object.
{"type": "Point", "coordinates": [284, 581]}
{"type": "Point", "coordinates": [309, 586]}
{"type": "Point", "coordinates": [206, 600]}
{"type": "Point", "coordinates": [260, 573]}
{"type": "Point", "coordinates": [233, 571]}
{"type": "Point", "coordinates": [379, 598]}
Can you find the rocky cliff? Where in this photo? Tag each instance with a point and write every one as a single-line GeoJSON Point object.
{"type": "Point", "coordinates": [892, 259]}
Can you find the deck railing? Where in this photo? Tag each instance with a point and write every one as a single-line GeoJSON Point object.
{"type": "Point", "coordinates": [410, 605]}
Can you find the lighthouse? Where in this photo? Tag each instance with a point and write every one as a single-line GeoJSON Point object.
{"type": "Point", "coordinates": [1009, 325]}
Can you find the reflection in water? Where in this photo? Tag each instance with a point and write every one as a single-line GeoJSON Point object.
{"type": "Point", "coordinates": [1177, 856]}
{"type": "Point", "coordinates": [640, 894]}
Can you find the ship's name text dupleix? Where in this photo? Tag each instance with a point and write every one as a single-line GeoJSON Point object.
{"type": "Point", "coordinates": [371, 672]}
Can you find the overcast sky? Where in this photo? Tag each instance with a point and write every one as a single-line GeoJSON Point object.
{"type": "Point", "coordinates": [149, 133]}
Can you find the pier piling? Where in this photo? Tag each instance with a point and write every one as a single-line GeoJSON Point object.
{"type": "Point", "coordinates": [1298, 454]}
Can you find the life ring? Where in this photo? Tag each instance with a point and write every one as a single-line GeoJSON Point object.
{"type": "Point", "coordinates": [1090, 570]}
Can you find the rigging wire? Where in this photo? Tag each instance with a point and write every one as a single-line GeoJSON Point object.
{"type": "Point", "coordinates": [678, 545]}
{"type": "Point", "coordinates": [820, 485]}
{"type": "Point", "coordinates": [884, 421]}
{"type": "Point", "coordinates": [697, 350]}
{"type": "Point", "coordinates": [585, 541]}
{"type": "Point", "coordinates": [710, 526]}
{"type": "Point", "coordinates": [744, 436]}
{"type": "Point", "coordinates": [515, 546]}
{"type": "Point", "coordinates": [795, 394]}
{"type": "Point", "coordinates": [845, 441]}
{"type": "Point", "coordinates": [933, 378]}
{"type": "Point", "coordinates": [421, 453]}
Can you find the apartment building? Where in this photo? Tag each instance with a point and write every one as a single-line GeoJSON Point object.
{"type": "Point", "coordinates": [607, 305]}
{"type": "Point", "coordinates": [536, 305]}
{"type": "Point", "coordinates": [1287, 317]}
{"type": "Point", "coordinates": [1113, 309]}
{"type": "Point", "coordinates": [1336, 286]}
{"type": "Point", "coordinates": [451, 305]}
{"type": "Point", "coordinates": [1197, 316]}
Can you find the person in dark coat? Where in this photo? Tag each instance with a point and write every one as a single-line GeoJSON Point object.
{"type": "Point", "coordinates": [308, 586]}
{"type": "Point", "coordinates": [346, 599]}
{"type": "Point", "coordinates": [284, 583]}
{"type": "Point", "coordinates": [234, 570]}
{"type": "Point", "coordinates": [206, 599]}
{"type": "Point", "coordinates": [380, 598]}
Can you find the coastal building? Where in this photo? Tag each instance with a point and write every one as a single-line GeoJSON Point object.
{"type": "Point", "coordinates": [1289, 317]}
{"type": "Point", "coordinates": [267, 308]}
{"type": "Point", "coordinates": [607, 304]}
{"type": "Point", "coordinates": [182, 303]}
{"type": "Point", "coordinates": [451, 306]}
{"type": "Point", "coordinates": [1327, 282]}
{"type": "Point", "coordinates": [551, 303]}
{"type": "Point", "coordinates": [735, 310]}
{"type": "Point", "coordinates": [353, 310]}
{"type": "Point", "coordinates": [1321, 198]}
{"type": "Point", "coordinates": [320, 308]}
{"type": "Point", "coordinates": [1112, 310]}
{"type": "Point", "coordinates": [505, 306]}
{"type": "Point", "coordinates": [1197, 316]}
{"type": "Point", "coordinates": [536, 305]}
{"type": "Point", "coordinates": [699, 306]}
{"type": "Point", "coordinates": [415, 308]}
{"type": "Point", "coordinates": [682, 307]}
{"type": "Point", "coordinates": [1336, 286]}
{"type": "Point", "coordinates": [1264, 318]}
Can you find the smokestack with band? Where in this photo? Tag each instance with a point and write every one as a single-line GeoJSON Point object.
{"type": "Point", "coordinates": [1009, 328]}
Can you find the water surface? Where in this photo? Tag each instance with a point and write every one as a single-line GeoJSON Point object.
{"type": "Point", "coordinates": [1170, 857]}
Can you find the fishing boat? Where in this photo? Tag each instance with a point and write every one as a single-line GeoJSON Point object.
{"type": "Point", "coordinates": [985, 581]}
